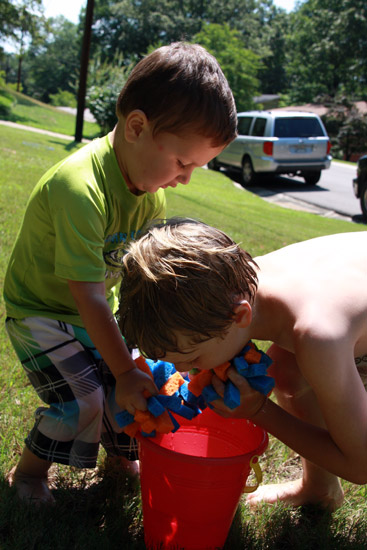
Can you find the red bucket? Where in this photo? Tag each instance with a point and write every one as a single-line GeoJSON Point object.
{"type": "Point", "coordinates": [192, 480]}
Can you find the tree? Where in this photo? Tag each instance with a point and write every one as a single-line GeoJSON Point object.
{"type": "Point", "coordinates": [132, 26]}
{"type": "Point", "coordinates": [239, 65]}
{"type": "Point", "coordinates": [273, 76]}
{"type": "Point", "coordinates": [9, 19]}
{"type": "Point", "coordinates": [328, 49]}
{"type": "Point", "coordinates": [346, 126]}
{"type": "Point", "coordinates": [53, 62]}
{"type": "Point", "coordinates": [28, 19]}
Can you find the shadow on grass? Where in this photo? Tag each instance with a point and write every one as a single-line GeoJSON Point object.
{"type": "Point", "coordinates": [274, 183]}
{"type": "Point", "coordinates": [17, 119]}
{"type": "Point", "coordinates": [70, 147]}
{"type": "Point", "coordinates": [106, 515]}
{"type": "Point", "coordinates": [283, 528]}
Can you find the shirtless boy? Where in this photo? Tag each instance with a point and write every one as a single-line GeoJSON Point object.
{"type": "Point", "coordinates": [192, 297]}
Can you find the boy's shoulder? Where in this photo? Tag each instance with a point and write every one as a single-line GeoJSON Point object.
{"type": "Point", "coordinates": [80, 168]}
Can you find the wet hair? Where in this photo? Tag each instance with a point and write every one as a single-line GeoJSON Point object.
{"type": "Point", "coordinates": [182, 276]}
{"type": "Point", "coordinates": [181, 88]}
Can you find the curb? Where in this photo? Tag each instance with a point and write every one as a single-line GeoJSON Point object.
{"type": "Point", "coordinates": [294, 204]}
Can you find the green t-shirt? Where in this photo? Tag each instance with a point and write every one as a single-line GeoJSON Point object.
{"type": "Point", "coordinates": [78, 220]}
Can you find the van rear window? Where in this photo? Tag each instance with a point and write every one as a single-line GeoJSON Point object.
{"type": "Point", "coordinates": [297, 127]}
{"type": "Point", "coordinates": [244, 123]}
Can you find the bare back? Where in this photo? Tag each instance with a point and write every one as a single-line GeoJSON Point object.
{"type": "Point", "coordinates": [318, 286]}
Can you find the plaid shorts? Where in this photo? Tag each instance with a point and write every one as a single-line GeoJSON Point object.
{"type": "Point", "coordinates": [78, 388]}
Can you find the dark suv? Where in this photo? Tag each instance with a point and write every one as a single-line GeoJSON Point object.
{"type": "Point", "coordinates": [277, 142]}
{"type": "Point", "coordinates": [360, 184]}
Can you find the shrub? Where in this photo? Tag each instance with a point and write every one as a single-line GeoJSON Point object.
{"type": "Point", "coordinates": [105, 85]}
{"type": "Point", "coordinates": [6, 99]}
{"type": "Point", "coordinates": [63, 98]}
{"type": "Point", "coordinates": [5, 106]}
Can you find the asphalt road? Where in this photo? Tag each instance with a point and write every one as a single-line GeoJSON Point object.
{"type": "Point", "coordinates": [333, 196]}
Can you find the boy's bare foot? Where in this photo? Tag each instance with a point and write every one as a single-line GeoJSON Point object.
{"type": "Point", "coordinates": [132, 467]}
{"type": "Point", "coordinates": [296, 493]}
{"type": "Point", "coordinates": [33, 490]}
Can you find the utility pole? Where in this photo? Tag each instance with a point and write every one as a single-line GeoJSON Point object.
{"type": "Point", "coordinates": [84, 71]}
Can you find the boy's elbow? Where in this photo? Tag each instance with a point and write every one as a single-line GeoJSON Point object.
{"type": "Point", "coordinates": [358, 474]}
{"type": "Point", "coordinates": [361, 478]}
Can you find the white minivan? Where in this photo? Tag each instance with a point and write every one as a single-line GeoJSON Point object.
{"type": "Point", "coordinates": [277, 142]}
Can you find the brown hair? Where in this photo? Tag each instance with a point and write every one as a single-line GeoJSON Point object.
{"type": "Point", "coordinates": [182, 88]}
{"type": "Point", "coordinates": [182, 276]}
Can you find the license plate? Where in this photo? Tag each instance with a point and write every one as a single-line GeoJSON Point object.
{"type": "Point", "coordinates": [301, 149]}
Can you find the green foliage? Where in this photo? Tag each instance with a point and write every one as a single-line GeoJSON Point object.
{"type": "Point", "coordinates": [13, 86]}
{"type": "Point", "coordinates": [132, 27]}
{"type": "Point", "coordinates": [327, 47]}
{"type": "Point", "coordinates": [63, 98]}
{"type": "Point", "coordinates": [8, 18]}
{"type": "Point", "coordinates": [104, 87]}
{"type": "Point", "coordinates": [6, 99]}
{"type": "Point", "coordinates": [6, 103]}
{"type": "Point", "coordinates": [26, 26]}
{"type": "Point", "coordinates": [239, 65]}
{"type": "Point", "coordinates": [346, 126]}
{"type": "Point", "coordinates": [52, 64]}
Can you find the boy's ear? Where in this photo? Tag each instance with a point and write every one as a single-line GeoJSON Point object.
{"type": "Point", "coordinates": [135, 123]}
{"type": "Point", "coordinates": [243, 314]}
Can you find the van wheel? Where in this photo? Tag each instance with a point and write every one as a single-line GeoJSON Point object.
{"type": "Point", "coordinates": [213, 164]}
{"type": "Point", "coordinates": [311, 178]}
{"type": "Point", "coordinates": [363, 200]}
{"type": "Point", "coordinates": [248, 176]}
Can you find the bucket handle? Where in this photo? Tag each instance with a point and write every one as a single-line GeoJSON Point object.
{"type": "Point", "coordinates": [254, 463]}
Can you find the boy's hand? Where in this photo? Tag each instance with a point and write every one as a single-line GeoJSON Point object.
{"type": "Point", "coordinates": [130, 386]}
{"type": "Point", "coordinates": [251, 400]}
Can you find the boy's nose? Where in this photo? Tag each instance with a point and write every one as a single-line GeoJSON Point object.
{"type": "Point", "coordinates": [185, 176]}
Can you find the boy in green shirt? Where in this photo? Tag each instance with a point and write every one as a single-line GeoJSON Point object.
{"type": "Point", "coordinates": [175, 113]}
{"type": "Point", "coordinates": [202, 298]}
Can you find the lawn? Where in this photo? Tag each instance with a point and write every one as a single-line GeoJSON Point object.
{"type": "Point", "coordinates": [28, 111]}
{"type": "Point", "coordinates": [100, 509]}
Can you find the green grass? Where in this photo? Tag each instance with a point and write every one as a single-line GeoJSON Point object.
{"type": "Point", "coordinates": [31, 112]}
{"type": "Point", "coordinates": [257, 224]}
{"type": "Point", "coordinates": [100, 509]}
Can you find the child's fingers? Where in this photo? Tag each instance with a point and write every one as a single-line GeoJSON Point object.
{"type": "Point", "coordinates": [220, 408]}
{"type": "Point", "coordinates": [250, 398]}
{"type": "Point", "coordinates": [151, 387]}
{"type": "Point", "coordinates": [138, 402]}
{"type": "Point", "coordinates": [218, 385]}
{"type": "Point", "coordinates": [239, 381]}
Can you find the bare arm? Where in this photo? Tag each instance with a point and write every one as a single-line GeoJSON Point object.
{"type": "Point", "coordinates": [340, 449]}
{"type": "Point", "coordinates": [104, 332]}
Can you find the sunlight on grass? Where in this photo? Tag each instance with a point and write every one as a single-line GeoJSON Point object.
{"type": "Point", "coordinates": [258, 225]}
{"type": "Point", "coordinates": [31, 112]}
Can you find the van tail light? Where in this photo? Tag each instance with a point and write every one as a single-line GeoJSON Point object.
{"type": "Point", "coordinates": [268, 148]}
{"type": "Point", "coordinates": [328, 147]}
